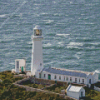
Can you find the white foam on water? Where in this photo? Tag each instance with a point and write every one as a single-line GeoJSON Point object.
{"type": "Point", "coordinates": [62, 35]}
{"type": "Point", "coordinates": [56, 14]}
{"type": "Point", "coordinates": [48, 21]}
{"type": "Point", "coordinates": [4, 15]}
{"type": "Point", "coordinates": [74, 45]}
{"type": "Point", "coordinates": [47, 45]}
{"type": "Point", "coordinates": [97, 71]}
{"type": "Point", "coordinates": [44, 13]}
{"type": "Point", "coordinates": [12, 63]}
{"type": "Point", "coordinates": [90, 23]}
{"type": "Point", "coordinates": [30, 42]}
{"type": "Point", "coordinates": [96, 43]}
{"type": "Point", "coordinates": [60, 44]}
{"type": "Point", "coordinates": [77, 56]}
{"type": "Point", "coordinates": [37, 4]}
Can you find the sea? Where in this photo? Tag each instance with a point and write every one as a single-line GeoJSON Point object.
{"type": "Point", "coordinates": [71, 31]}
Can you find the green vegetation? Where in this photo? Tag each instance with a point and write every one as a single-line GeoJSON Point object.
{"type": "Point", "coordinates": [39, 86]}
{"type": "Point", "coordinates": [57, 88]}
{"type": "Point", "coordinates": [8, 91]}
{"type": "Point", "coordinates": [17, 93]}
{"type": "Point", "coordinates": [97, 84]}
{"type": "Point", "coordinates": [30, 84]}
{"type": "Point", "coordinates": [8, 77]}
{"type": "Point", "coordinates": [91, 94]}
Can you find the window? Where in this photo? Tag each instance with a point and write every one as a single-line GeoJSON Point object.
{"type": "Point", "coordinates": [59, 77]}
{"type": "Point", "coordinates": [79, 80]}
{"type": "Point", "coordinates": [75, 80]}
{"type": "Point", "coordinates": [55, 77]}
{"type": "Point", "coordinates": [71, 79]}
{"type": "Point", "coordinates": [44, 75]}
{"type": "Point", "coordinates": [39, 75]}
{"type": "Point", "coordinates": [90, 81]}
{"type": "Point", "coordinates": [82, 80]}
{"type": "Point", "coordinates": [66, 78]}
{"type": "Point", "coordinates": [49, 76]}
{"type": "Point", "coordinates": [17, 64]}
{"type": "Point", "coordinates": [81, 94]}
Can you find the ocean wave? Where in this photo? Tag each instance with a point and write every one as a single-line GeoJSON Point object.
{"type": "Point", "coordinates": [57, 14]}
{"type": "Point", "coordinates": [17, 15]}
{"type": "Point", "coordinates": [47, 45]}
{"type": "Point", "coordinates": [74, 45]}
{"type": "Point", "coordinates": [89, 23]}
{"type": "Point", "coordinates": [97, 71]}
{"type": "Point", "coordinates": [96, 43]}
{"type": "Point", "coordinates": [62, 35]}
{"type": "Point", "coordinates": [4, 3]}
{"type": "Point", "coordinates": [4, 15]}
{"type": "Point", "coordinates": [60, 44]}
{"type": "Point", "coordinates": [77, 56]}
{"type": "Point", "coordinates": [30, 42]}
{"type": "Point", "coordinates": [44, 13]}
{"type": "Point", "coordinates": [12, 63]}
{"type": "Point", "coordinates": [48, 21]}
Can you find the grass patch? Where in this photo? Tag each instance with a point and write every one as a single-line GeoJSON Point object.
{"type": "Point", "coordinates": [7, 79]}
{"type": "Point", "coordinates": [17, 93]}
{"type": "Point", "coordinates": [29, 83]}
{"type": "Point", "coordinates": [97, 84]}
{"type": "Point", "coordinates": [8, 91]}
{"type": "Point", "coordinates": [57, 88]}
{"type": "Point", "coordinates": [91, 94]}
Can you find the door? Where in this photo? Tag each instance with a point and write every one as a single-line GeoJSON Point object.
{"type": "Point", "coordinates": [90, 81]}
{"type": "Point", "coordinates": [82, 94]}
{"type": "Point", "coordinates": [22, 68]}
{"type": "Point", "coordinates": [49, 76]}
{"type": "Point", "coordinates": [39, 75]}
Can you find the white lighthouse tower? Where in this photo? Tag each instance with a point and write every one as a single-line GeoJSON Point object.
{"type": "Point", "coordinates": [37, 56]}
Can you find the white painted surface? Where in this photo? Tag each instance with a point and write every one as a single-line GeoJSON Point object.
{"type": "Point", "coordinates": [62, 77]}
{"type": "Point", "coordinates": [37, 56]}
{"type": "Point", "coordinates": [75, 89]}
{"type": "Point", "coordinates": [75, 94]}
{"type": "Point", "coordinates": [96, 88]}
{"type": "Point", "coordinates": [22, 63]}
{"type": "Point", "coordinates": [93, 77]}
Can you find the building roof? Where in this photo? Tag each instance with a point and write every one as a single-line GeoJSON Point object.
{"type": "Point", "coordinates": [72, 88]}
{"type": "Point", "coordinates": [66, 72]}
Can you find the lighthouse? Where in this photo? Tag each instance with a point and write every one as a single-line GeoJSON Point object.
{"type": "Point", "coordinates": [37, 56]}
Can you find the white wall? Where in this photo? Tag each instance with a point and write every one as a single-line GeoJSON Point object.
{"type": "Point", "coordinates": [95, 78]}
{"type": "Point", "coordinates": [62, 77]}
{"type": "Point", "coordinates": [76, 95]}
{"type": "Point", "coordinates": [82, 90]}
{"type": "Point", "coordinates": [22, 63]}
{"type": "Point", "coordinates": [73, 94]}
{"type": "Point", "coordinates": [37, 56]}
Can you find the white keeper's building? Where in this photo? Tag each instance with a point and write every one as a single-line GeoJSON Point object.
{"type": "Point", "coordinates": [56, 74]}
{"type": "Point", "coordinates": [75, 92]}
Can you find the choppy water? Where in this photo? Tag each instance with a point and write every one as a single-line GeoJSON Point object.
{"type": "Point", "coordinates": [71, 30]}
